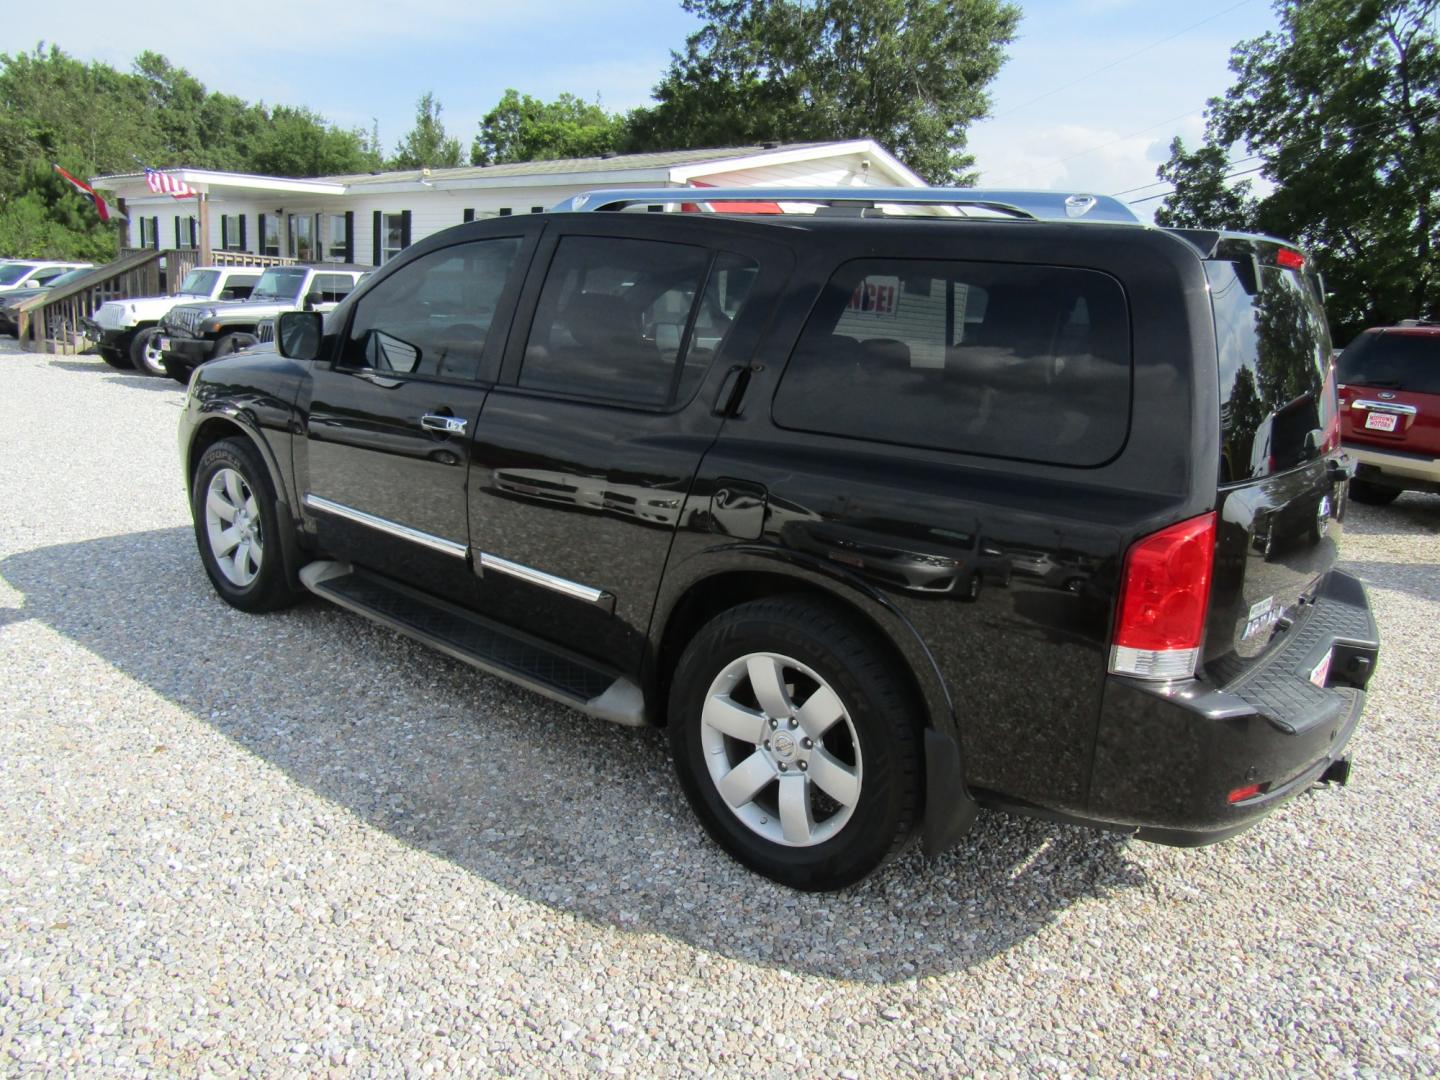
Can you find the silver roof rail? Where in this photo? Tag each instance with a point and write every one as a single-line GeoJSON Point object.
{"type": "Point", "coordinates": [1036, 205]}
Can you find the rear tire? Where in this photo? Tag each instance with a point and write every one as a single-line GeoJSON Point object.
{"type": "Point", "coordinates": [1373, 494]}
{"type": "Point", "coordinates": [796, 742]}
{"type": "Point", "coordinates": [145, 353]}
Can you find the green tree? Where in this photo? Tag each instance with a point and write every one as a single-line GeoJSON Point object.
{"type": "Point", "coordinates": [1203, 198]}
{"type": "Point", "coordinates": [1341, 105]}
{"type": "Point", "coordinates": [296, 142]}
{"type": "Point", "coordinates": [426, 146]}
{"type": "Point", "coordinates": [523, 128]}
{"type": "Point", "coordinates": [910, 74]}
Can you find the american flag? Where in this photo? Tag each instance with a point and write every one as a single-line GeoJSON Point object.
{"type": "Point", "coordinates": [165, 184]}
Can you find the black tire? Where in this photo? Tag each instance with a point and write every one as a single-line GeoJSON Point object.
{"type": "Point", "coordinates": [145, 356]}
{"type": "Point", "coordinates": [232, 343]}
{"type": "Point", "coordinates": [1373, 494]}
{"type": "Point", "coordinates": [116, 358]}
{"type": "Point", "coordinates": [270, 587]}
{"type": "Point", "coordinates": [878, 723]}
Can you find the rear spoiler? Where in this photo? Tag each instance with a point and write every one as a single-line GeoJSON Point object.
{"type": "Point", "coordinates": [1250, 251]}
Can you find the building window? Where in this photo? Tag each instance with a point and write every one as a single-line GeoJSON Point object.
{"type": "Point", "coordinates": [505, 211]}
{"type": "Point", "coordinates": [232, 232]}
{"type": "Point", "coordinates": [537, 209]}
{"type": "Point", "coordinates": [269, 234]}
{"type": "Point", "coordinates": [186, 231]}
{"type": "Point", "coordinates": [302, 237]}
{"type": "Point", "coordinates": [336, 238]}
{"type": "Point", "coordinates": [392, 236]}
{"type": "Point", "coordinates": [148, 238]}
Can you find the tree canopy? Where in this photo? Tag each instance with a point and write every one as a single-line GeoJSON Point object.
{"type": "Point", "coordinates": [426, 146]}
{"type": "Point", "coordinates": [91, 118]}
{"type": "Point", "coordinates": [910, 74]}
{"type": "Point", "coordinates": [1341, 107]}
{"type": "Point", "coordinates": [523, 128]}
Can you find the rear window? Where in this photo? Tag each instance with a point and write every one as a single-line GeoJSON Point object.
{"type": "Point", "coordinates": [1274, 355]}
{"type": "Point", "coordinates": [1025, 362]}
{"type": "Point", "coordinates": [1409, 362]}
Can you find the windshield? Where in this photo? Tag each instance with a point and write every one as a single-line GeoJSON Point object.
{"type": "Point", "coordinates": [1393, 361]}
{"type": "Point", "coordinates": [10, 273]}
{"type": "Point", "coordinates": [280, 283]}
{"type": "Point", "coordinates": [199, 283]}
{"type": "Point", "coordinates": [67, 277]}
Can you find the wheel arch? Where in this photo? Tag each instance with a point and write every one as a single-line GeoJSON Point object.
{"type": "Point", "coordinates": [233, 424]}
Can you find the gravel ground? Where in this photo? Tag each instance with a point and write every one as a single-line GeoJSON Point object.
{"type": "Point", "coordinates": [297, 844]}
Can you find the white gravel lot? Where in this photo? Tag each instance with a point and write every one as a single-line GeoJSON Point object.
{"type": "Point", "coordinates": [299, 845]}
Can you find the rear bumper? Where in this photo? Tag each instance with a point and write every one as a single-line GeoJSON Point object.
{"type": "Point", "coordinates": [1399, 467]}
{"type": "Point", "coordinates": [1168, 759]}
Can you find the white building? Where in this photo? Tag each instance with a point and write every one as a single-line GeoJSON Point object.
{"type": "Point", "coordinates": [370, 217]}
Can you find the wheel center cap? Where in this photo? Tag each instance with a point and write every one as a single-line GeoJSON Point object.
{"type": "Point", "coordinates": [783, 745]}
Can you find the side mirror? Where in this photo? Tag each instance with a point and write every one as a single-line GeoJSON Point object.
{"type": "Point", "coordinates": [32, 284]}
{"type": "Point", "coordinates": [313, 300]}
{"type": "Point", "coordinates": [297, 334]}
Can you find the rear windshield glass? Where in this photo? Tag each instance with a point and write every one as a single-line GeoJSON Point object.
{"type": "Point", "coordinates": [1029, 362]}
{"type": "Point", "coordinates": [1274, 356]}
{"type": "Point", "coordinates": [1409, 362]}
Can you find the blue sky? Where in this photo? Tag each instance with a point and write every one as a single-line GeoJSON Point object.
{"type": "Point", "coordinates": [365, 59]}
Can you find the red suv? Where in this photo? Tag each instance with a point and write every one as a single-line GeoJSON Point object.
{"type": "Point", "coordinates": [1390, 404]}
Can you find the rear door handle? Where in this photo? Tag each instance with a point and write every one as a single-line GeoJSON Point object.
{"type": "Point", "coordinates": [447, 425]}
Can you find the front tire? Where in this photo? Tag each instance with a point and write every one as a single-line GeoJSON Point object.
{"type": "Point", "coordinates": [115, 357]}
{"type": "Point", "coordinates": [237, 528]}
{"type": "Point", "coordinates": [796, 742]}
{"type": "Point", "coordinates": [233, 343]}
{"type": "Point", "coordinates": [145, 352]}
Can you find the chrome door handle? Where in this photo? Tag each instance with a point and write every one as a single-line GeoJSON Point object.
{"type": "Point", "coordinates": [448, 425]}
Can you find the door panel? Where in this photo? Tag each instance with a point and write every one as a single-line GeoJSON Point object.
{"type": "Point", "coordinates": [389, 423]}
{"type": "Point", "coordinates": [573, 475]}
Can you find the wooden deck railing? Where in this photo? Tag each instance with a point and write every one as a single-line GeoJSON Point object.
{"type": "Point", "coordinates": [51, 322]}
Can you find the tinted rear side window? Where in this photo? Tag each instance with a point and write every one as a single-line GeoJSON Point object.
{"type": "Point", "coordinates": [1028, 362]}
{"type": "Point", "coordinates": [1409, 362]}
{"type": "Point", "coordinates": [1274, 354]}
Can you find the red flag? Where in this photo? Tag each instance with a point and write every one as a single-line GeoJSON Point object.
{"type": "Point", "coordinates": [101, 206]}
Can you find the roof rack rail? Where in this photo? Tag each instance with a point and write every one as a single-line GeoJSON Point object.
{"type": "Point", "coordinates": [1029, 205]}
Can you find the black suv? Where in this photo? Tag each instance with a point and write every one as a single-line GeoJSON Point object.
{"type": "Point", "coordinates": [917, 502]}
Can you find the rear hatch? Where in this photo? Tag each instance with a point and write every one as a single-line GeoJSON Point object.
{"type": "Point", "coordinates": [1281, 490]}
{"type": "Point", "coordinates": [1390, 390]}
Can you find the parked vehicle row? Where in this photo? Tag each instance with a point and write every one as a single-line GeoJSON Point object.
{"type": "Point", "coordinates": [10, 302]}
{"type": "Point", "coordinates": [124, 330]}
{"type": "Point", "coordinates": [22, 275]}
{"type": "Point", "coordinates": [888, 518]}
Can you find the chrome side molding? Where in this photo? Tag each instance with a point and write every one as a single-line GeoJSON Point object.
{"type": "Point", "coordinates": [539, 577]}
{"type": "Point", "coordinates": [392, 528]}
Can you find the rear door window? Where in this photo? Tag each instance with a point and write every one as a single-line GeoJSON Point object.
{"type": "Point", "coordinates": [1408, 362]}
{"type": "Point", "coordinates": [636, 322]}
{"type": "Point", "coordinates": [1274, 349]}
{"type": "Point", "coordinates": [1025, 362]}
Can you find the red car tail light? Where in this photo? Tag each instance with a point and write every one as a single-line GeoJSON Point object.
{"type": "Point", "coordinates": [1164, 596]}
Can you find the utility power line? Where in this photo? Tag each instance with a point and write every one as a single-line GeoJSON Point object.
{"type": "Point", "coordinates": [1120, 60]}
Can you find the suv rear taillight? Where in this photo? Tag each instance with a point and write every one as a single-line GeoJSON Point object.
{"type": "Point", "coordinates": [1164, 595]}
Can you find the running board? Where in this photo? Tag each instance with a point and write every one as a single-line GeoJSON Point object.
{"type": "Point", "coordinates": [558, 674]}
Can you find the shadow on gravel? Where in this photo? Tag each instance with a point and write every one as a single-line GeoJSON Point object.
{"type": "Point", "coordinates": [550, 805]}
{"type": "Point", "coordinates": [117, 376]}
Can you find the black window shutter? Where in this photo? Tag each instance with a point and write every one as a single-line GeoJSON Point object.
{"type": "Point", "coordinates": [243, 246]}
{"type": "Point", "coordinates": [260, 229]}
{"type": "Point", "coordinates": [224, 231]}
{"type": "Point", "coordinates": [177, 230]}
{"type": "Point", "coordinates": [155, 231]}
{"type": "Point", "coordinates": [405, 229]}
{"type": "Point", "coordinates": [470, 215]}
{"type": "Point", "coordinates": [349, 236]}
{"type": "Point", "coordinates": [194, 233]}
{"type": "Point", "coordinates": [379, 243]}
